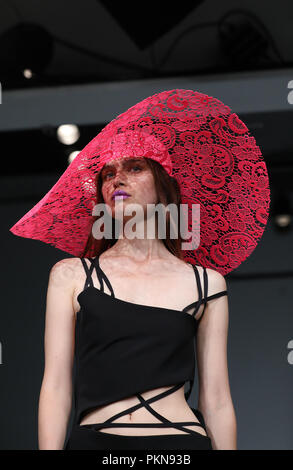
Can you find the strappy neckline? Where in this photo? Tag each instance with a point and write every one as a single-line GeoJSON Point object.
{"type": "Point", "coordinates": [101, 275]}
{"type": "Point", "coordinates": [94, 263]}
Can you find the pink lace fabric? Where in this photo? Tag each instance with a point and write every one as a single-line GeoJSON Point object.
{"type": "Point", "coordinates": [200, 142]}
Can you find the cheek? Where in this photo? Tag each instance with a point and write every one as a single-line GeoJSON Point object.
{"type": "Point", "coordinates": [146, 188]}
{"type": "Point", "coordinates": [106, 190]}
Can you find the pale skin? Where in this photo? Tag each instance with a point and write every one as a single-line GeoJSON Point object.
{"type": "Point", "coordinates": [131, 265]}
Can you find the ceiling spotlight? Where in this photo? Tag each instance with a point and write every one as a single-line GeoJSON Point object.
{"type": "Point", "coordinates": [72, 156]}
{"type": "Point", "coordinates": [27, 73]}
{"type": "Point", "coordinates": [68, 134]}
{"type": "Point", "coordinates": [283, 220]}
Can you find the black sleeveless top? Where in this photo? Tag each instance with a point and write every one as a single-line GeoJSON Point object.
{"type": "Point", "coordinates": [124, 349]}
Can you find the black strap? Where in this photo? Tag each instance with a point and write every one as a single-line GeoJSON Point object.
{"type": "Point", "coordinates": [102, 276]}
{"type": "Point", "coordinates": [206, 297]}
{"type": "Point", "coordinates": [205, 289]}
{"type": "Point", "coordinates": [165, 422]}
{"type": "Point", "coordinates": [88, 272]}
{"type": "Point", "coordinates": [150, 400]}
{"type": "Point", "coordinates": [218, 294]}
{"type": "Point", "coordinates": [198, 302]}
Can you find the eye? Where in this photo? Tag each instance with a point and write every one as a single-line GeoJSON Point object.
{"type": "Point", "coordinates": [107, 174]}
{"type": "Point", "coordinates": [137, 167]}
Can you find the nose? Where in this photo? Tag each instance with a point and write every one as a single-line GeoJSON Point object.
{"type": "Point", "coordinates": [119, 177]}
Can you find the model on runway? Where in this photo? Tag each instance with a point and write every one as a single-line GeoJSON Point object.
{"type": "Point", "coordinates": [130, 319]}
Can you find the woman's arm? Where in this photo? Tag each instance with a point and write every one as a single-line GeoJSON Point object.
{"type": "Point", "coordinates": [215, 400]}
{"type": "Point", "coordinates": [56, 390]}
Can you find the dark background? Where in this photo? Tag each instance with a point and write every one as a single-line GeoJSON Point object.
{"type": "Point", "coordinates": [90, 61]}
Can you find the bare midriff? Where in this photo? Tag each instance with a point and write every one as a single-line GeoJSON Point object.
{"type": "Point", "coordinates": [173, 407]}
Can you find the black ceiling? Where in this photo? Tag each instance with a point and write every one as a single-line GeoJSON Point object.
{"type": "Point", "coordinates": [91, 41]}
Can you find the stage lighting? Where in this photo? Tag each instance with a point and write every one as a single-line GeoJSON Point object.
{"type": "Point", "coordinates": [68, 134]}
{"type": "Point", "coordinates": [72, 156]}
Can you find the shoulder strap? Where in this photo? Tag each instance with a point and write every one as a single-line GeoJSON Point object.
{"type": "Point", "coordinates": [88, 272]}
{"type": "Point", "coordinates": [102, 276]}
{"type": "Point", "coordinates": [198, 302]}
{"type": "Point", "coordinates": [205, 289]}
{"type": "Point", "coordinates": [206, 298]}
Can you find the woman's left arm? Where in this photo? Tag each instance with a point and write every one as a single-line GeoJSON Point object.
{"type": "Point", "coordinates": [215, 402]}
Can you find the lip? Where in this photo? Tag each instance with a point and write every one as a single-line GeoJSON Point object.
{"type": "Point", "coordinates": [120, 196]}
{"type": "Point", "coordinates": [121, 193]}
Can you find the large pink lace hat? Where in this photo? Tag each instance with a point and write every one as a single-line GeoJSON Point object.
{"type": "Point", "coordinates": [200, 142]}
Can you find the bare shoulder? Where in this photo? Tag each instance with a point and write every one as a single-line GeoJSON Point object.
{"type": "Point", "coordinates": [65, 272]}
{"type": "Point", "coordinates": [216, 281]}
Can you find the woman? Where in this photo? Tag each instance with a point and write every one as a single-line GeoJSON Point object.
{"type": "Point", "coordinates": [126, 316]}
{"type": "Point", "coordinates": [143, 272]}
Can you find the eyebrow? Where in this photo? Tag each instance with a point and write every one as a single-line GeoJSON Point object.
{"type": "Point", "coordinates": [125, 162]}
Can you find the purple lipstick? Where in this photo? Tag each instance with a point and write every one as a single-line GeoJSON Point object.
{"type": "Point", "coordinates": [119, 194]}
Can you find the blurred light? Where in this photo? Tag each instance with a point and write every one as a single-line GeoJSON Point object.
{"type": "Point", "coordinates": [283, 220]}
{"type": "Point", "coordinates": [68, 134]}
{"type": "Point", "coordinates": [27, 73]}
{"type": "Point", "coordinates": [72, 156]}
